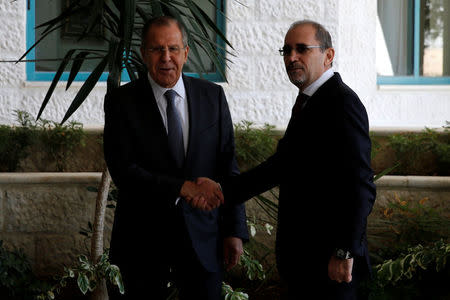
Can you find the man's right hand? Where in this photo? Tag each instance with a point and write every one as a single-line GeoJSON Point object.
{"type": "Point", "coordinates": [204, 194]}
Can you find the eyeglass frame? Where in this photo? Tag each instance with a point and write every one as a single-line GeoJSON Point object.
{"type": "Point", "coordinates": [304, 46]}
{"type": "Point", "coordinates": [162, 50]}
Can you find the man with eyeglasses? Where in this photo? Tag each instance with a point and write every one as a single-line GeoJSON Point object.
{"type": "Point", "coordinates": [322, 168]}
{"type": "Point", "coordinates": [161, 132]}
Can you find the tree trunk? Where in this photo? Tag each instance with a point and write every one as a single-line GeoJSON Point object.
{"type": "Point", "coordinates": [100, 293]}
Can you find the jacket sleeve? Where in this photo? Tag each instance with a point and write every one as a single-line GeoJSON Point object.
{"type": "Point", "coordinates": [358, 187]}
{"type": "Point", "coordinates": [234, 218]}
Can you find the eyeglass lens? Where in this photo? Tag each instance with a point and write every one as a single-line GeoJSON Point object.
{"type": "Point", "coordinates": [300, 48]}
{"type": "Point", "coordinates": [171, 49]}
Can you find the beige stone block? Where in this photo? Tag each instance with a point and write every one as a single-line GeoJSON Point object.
{"type": "Point", "coordinates": [16, 241]}
{"type": "Point", "coordinates": [254, 39]}
{"type": "Point", "coordinates": [54, 251]}
{"type": "Point", "coordinates": [241, 73]}
{"type": "Point", "coordinates": [272, 75]}
{"type": "Point", "coordinates": [290, 9]}
{"type": "Point", "coordinates": [242, 10]}
{"type": "Point", "coordinates": [47, 208]}
{"type": "Point", "coordinates": [2, 211]}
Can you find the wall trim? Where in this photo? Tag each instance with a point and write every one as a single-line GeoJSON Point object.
{"type": "Point", "coordinates": [435, 182]}
{"type": "Point", "coordinates": [427, 182]}
{"type": "Point", "coordinates": [50, 177]}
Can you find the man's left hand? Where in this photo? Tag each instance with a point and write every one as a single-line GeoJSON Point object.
{"type": "Point", "coordinates": [340, 270]}
{"type": "Point", "coordinates": [232, 250]}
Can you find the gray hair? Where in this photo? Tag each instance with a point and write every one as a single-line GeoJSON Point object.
{"type": "Point", "coordinates": [322, 35]}
{"type": "Point", "coordinates": [163, 21]}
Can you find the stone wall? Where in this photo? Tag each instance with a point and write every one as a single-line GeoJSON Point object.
{"type": "Point", "coordinates": [258, 89]}
{"type": "Point", "coordinates": [44, 212]}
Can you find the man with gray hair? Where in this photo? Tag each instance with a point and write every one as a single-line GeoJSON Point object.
{"type": "Point", "coordinates": [161, 132]}
{"type": "Point", "coordinates": [322, 167]}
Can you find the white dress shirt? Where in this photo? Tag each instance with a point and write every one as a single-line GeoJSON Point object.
{"type": "Point", "coordinates": [313, 87]}
{"type": "Point", "coordinates": [180, 103]}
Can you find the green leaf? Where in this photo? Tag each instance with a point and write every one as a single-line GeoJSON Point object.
{"type": "Point", "coordinates": [76, 66]}
{"type": "Point", "coordinates": [83, 283]}
{"type": "Point", "coordinates": [156, 8]}
{"type": "Point", "coordinates": [115, 63]}
{"type": "Point", "coordinates": [119, 282]}
{"type": "Point", "coordinates": [197, 10]}
{"type": "Point", "coordinates": [130, 71]}
{"type": "Point", "coordinates": [213, 55]}
{"type": "Point", "coordinates": [96, 11]}
{"type": "Point", "coordinates": [86, 88]}
{"type": "Point", "coordinates": [385, 172]}
{"type": "Point", "coordinates": [55, 80]}
{"type": "Point", "coordinates": [127, 24]}
{"type": "Point", "coordinates": [63, 16]}
{"type": "Point", "coordinates": [83, 259]}
{"type": "Point", "coordinates": [37, 42]}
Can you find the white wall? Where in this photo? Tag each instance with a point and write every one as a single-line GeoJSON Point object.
{"type": "Point", "coordinates": [258, 89]}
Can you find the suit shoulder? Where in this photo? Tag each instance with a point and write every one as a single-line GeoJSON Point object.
{"type": "Point", "coordinates": [202, 83]}
{"type": "Point", "coordinates": [126, 88]}
{"type": "Point", "coordinates": [122, 96]}
{"type": "Point", "coordinates": [125, 91]}
{"type": "Point", "coordinates": [345, 93]}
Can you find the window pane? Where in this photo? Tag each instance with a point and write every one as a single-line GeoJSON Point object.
{"type": "Point", "coordinates": [435, 52]}
{"type": "Point", "coordinates": [395, 38]}
{"type": "Point", "coordinates": [193, 62]}
{"type": "Point", "coordinates": [57, 43]}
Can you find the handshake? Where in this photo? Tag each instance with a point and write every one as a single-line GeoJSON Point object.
{"type": "Point", "coordinates": [203, 193]}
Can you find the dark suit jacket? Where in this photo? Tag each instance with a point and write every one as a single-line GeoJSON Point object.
{"type": "Point", "coordinates": [138, 158]}
{"type": "Point", "coordinates": [322, 166]}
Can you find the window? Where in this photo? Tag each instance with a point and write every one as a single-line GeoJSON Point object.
{"type": "Point", "coordinates": [413, 42]}
{"type": "Point", "coordinates": [58, 42]}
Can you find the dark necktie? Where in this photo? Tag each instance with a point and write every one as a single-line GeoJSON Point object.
{"type": "Point", "coordinates": [174, 129]}
{"type": "Point", "coordinates": [299, 103]}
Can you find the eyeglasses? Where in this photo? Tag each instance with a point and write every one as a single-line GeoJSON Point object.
{"type": "Point", "coordinates": [299, 48]}
{"type": "Point", "coordinates": [162, 50]}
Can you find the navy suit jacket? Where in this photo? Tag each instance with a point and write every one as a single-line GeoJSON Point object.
{"type": "Point", "coordinates": [138, 158]}
{"type": "Point", "coordinates": [322, 167]}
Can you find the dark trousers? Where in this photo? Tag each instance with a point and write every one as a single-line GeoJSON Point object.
{"type": "Point", "coordinates": [299, 284]}
{"type": "Point", "coordinates": [147, 273]}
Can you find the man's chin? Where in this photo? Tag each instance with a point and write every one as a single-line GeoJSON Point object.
{"type": "Point", "coordinates": [166, 82]}
{"type": "Point", "coordinates": [297, 82]}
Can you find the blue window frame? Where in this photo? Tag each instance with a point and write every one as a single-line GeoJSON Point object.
{"type": "Point", "coordinates": [419, 62]}
{"type": "Point", "coordinates": [37, 75]}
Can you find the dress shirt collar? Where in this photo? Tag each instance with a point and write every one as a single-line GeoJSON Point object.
{"type": "Point", "coordinates": [313, 87]}
{"type": "Point", "coordinates": [158, 91]}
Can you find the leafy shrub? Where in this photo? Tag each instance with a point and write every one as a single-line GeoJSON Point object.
{"type": "Point", "coordinates": [253, 145]}
{"type": "Point", "coordinates": [408, 264]}
{"type": "Point", "coordinates": [88, 276]}
{"type": "Point", "coordinates": [418, 153]}
{"type": "Point", "coordinates": [402, 223]}
{"type": "Point", "coordinates": [14, 142]}
{"type": "Point", "coordinates": [57, 142]}
{"type": "Point", "coordinates": [17, 280]}
{"type": "Point", "coordinates": [421, 272]}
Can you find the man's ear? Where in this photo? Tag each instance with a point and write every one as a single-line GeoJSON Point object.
{"type": "Point", "coordinates": [329, 57]}
{"type": "Point", "coordinates": [186, 55]}
{"type": "Point", "coordinates": [142, 48]}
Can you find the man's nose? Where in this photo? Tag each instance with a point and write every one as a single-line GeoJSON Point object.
{"type": "Point", "coordinates": [293, 56]}
{"type": "Point", "coordinates": [165, 55]}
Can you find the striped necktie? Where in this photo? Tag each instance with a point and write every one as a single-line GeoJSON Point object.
{"type": "Point", "coordinates": [174, 129]}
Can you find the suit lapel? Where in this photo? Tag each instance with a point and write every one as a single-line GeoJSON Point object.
{"type": "Point", "coordinates": [194, 108]}
{"type": "Point", "coordinates": [148, 111]}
